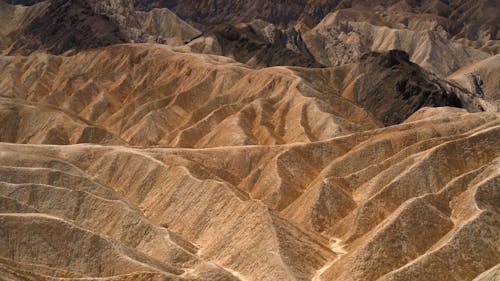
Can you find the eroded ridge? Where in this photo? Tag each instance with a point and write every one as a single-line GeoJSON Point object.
{"type": "Point", "coordinates": [178, 213]}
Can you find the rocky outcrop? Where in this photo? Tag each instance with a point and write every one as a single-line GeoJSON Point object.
{"type": "Point", "coordinates": [397, 87]}
{"type": "Point", "coordinates": [463, 19]}
{"type": "Point", "coordinates": [336, 42]}
{"type": "Point", "coordinates": [258, 44]}
{"type": "Point", "coordinates": [481, 78]}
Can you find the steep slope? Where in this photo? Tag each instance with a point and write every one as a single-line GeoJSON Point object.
{"type": "Point", "coordinates": [474, 23]}
{"type": "Point", "coordinates": [391, 87]}
{"type": "Point", "coordinates": [336, 42]}
{"type": "Point", "coordinates": [144, 206]}
{"type": "Point", "coordinates": [477, 19]}
{"type": "Point", "coordinates": [258, 44]}
{"type": "Point", "coordinates": [482, 78]}
{"type": "Point", "coordinates": [465, 19]}
{"type": "Point", "coordinates": [54, 31]}
{"type": "Point", "coordinates": [468, 19]}
{"type": "Point", "coordinates": [157, 25]}
{"type": "Point", "coordinates": [34, 123]}
{"type": "Point", "coordinates": [13, 18]}
{"type": "Point", "coordinates": [59, 26]}
{"type": "Point", "coordinates": [82, 24]}
{"type": "Point", "coordinates": [149, 162]}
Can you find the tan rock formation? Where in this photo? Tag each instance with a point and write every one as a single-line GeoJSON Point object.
{"type": "Point", "coordinates": [148, 94]}
{"type": "Point", "coordinates": [401, 197]}
{"type": "Point", "coordinates": [335, 42]}
{"type": "Point", "coordinates": [138, 162]}
{"type": "Point", "coordinates": [482, 77]}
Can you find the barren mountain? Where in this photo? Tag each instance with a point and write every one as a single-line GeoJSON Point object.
{"type": "Point", "coordinates": [148, 94]}
{"type": "Point", "coordinates": [206, 12]}
{"type": "Point", "coordinates": [440, 35]}
{"type": "Point", "coordinates": [58, 26]}
{"type": "Point", "coordinates": [335, 42]}
{"type": "Point", "coordinates": [268, 143]}
{"type": "Point", "coordinates": [258, 44]}
{"type": "Point", "coordinates": [469, 19]}
{"type": "Point", "coordinates": [281, 36]}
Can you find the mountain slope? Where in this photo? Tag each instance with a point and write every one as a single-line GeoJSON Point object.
{"type": "Point", "coordinates": [204, 195]}
{"type": "Point", "coordinates": [335, 42]}
{"type": "Point", "coordinates": [59, 26]}
{"type": "Point", "coordinates": [149, 94]}
{"type": "Point", "coordinates": [258, 44]}
{"type": "Point", "coordinates": [482, 78]}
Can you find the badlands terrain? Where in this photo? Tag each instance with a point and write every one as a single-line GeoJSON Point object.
{"type": "Point", "coordinates": [274, 140]}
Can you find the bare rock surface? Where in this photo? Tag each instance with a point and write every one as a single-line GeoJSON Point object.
{"type": "Point", "coordinates": [257, 44]}
{"type": "Point", "coordinates": [335, 41]}
{"type": "Point", "coordinates": [178, 213]}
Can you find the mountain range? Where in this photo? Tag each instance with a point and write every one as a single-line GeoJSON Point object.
{"type": "Point", "coordinates": [322, 140]}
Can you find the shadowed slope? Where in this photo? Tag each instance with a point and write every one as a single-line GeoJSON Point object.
{"type": "Point", "coordinates": [59, 26]}
{"type": "Point", "coordinates": [258, 44]}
